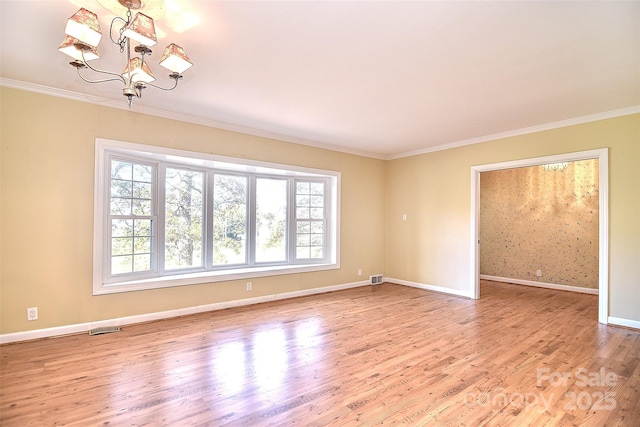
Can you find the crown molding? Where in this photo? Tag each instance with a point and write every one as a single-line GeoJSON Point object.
{"type": "Point", "coordinates": [203, 121]}
{"type": "Point", "coordinates": [517, 132]}
{"type": "Point", "coordinates": [188, 118]}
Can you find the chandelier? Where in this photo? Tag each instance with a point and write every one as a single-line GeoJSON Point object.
{"type": "Point", "coordinates": [81, 43]}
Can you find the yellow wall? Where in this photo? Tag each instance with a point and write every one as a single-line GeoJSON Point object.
{"type": "Point", "coordinates": [46, 208]}
{"type": "Point", "coordinates": [537, 219]}
{"type": "Point", "coordinates": [433, 245]}
{"type": "Point", "coordinates": [47, 168]}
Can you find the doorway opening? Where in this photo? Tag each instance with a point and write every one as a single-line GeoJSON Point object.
{"type": "Point", "coordinates": [601, 155]}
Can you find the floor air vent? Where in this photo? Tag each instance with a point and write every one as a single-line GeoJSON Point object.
{"type": "Point", "coordinates": [375, 280]}
{"type": "Point", "coordinates": [105, 330]}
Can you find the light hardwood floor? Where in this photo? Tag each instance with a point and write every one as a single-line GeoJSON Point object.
{"type": "Point", "coordinates": [369, 356]}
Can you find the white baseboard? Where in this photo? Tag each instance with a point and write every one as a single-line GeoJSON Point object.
{"type": "Point", "coordinates": [140, 318]}
{"type": "Point", "coordinates": [540, 284]}
{"type": "Point", "coordinates": [424, 286]}
{"type": "Point", "coordinates": [85, 327]}
{"type": "Point", "coordinates": [635, 324]}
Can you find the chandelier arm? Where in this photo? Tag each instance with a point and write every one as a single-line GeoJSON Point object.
{"type": "Point", "coordinates": [175, 84]}
{"type": "Point", "coordinates": [120, 79]}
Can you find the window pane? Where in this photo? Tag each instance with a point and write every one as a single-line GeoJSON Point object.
{"type": "Point", "coordinates": [142, 245]}
{"type": "Point", "coordinates": [141, 262]}
{"type": "Point", "coordinates": [310, 212]}
{"type": "Point", "coordinates": [121, 170]}
{"type": "Point", "coordinates": [317, 227]}
{"type": "Point", "coordinates": [120, 188]}
{"type": "Point", "coordinates": [229, 219]}
{"type": "Point", "coordinates": [317, 213]}
{"type": "Point", "coordinates": [142, 173]}
{"type": "Point", "coordinates": [142, 227]}
{"type": "Point", "coordinates": [142, 190]}
{"type": "Point", "coordinates": [303, 187]}
{"type": "Point", "coordinates": [120, 206]}
{"type": "Point", "coordinates": [316, 188]}
{"type": "Point", "coordinates": [121, 264]}
{"type": "Point", "coordinates": [303, 252]}
{"type": "Point", "coordinates": [121, 245]}
{"type": "Point", "coordinates": [183, 218]}
{"type": "Point", "coordinates": [129, 237]}
{"type": "Point", "coordinates": [122, 228]}
{"type": "Point", "coordinates": [304, 226]}
{"type": "Point", "coordinates": [141, 207]}
{"type": "Point", "coordinates": [131, 188]}
{"type": "Point", "coordinates": [271, 220]}
{"type": "Point", "coordinates": [303, 240]}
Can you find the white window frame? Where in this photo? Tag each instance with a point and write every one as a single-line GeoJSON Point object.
{"type": "Point", "coordinates": [104, 283]}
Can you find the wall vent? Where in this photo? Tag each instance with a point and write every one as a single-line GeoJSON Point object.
{"type": "Point", "coordinates": [104, 330]}
{"type": "Point", "coordinates": [376, 279]}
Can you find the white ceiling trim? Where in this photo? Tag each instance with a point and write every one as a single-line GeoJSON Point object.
{"type": "Point", "coordinates": [61, 93]}
{"type": "Point", "coordinates": [532, 129]}
{"type": "Point", "coordinates": [122, 105]}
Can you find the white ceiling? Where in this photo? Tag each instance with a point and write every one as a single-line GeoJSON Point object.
{"type": "Point", "coordinates": [380, 78]}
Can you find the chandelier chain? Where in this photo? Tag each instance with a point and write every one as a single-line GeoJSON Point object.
{"type": "Point", "coordinates": [122, 40]}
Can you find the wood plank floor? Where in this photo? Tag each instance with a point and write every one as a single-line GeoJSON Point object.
{"type": "Point", "coordinates": [382, 355]}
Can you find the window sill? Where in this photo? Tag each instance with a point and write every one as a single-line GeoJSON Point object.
{"type": "Point", "coordinates": [206, 277]}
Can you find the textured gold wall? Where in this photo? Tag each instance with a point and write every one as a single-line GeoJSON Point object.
{"type": "Point", "coordinates": [533, 219]}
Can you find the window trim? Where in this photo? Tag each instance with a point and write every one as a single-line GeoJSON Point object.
{"type": "Point", "coordinates": [202, 161]}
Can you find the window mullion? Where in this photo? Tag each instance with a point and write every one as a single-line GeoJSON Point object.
{"type": "Point", "coordinates": [328, 223]}
{"type": "Point", "coordinates": [208, 219]}
{"type": "Point", "coordinates": [106, 256]}
{"type": "Point", "coordinates": [160, 211]}
{"type": "Point", "coordinates": [251, 222]}
{"type": "Point", "coordinates": [292, 222]}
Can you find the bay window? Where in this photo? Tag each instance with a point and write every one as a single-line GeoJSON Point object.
{"type": "Point", "coordinates": [167, 217]}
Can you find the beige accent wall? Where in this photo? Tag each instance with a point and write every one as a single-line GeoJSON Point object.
{"type": "Point", "coordinates": [433, 245]}
{"type": "Point", "coordinates": [46, 208]}
{"type": "Point", "coordinates": [536, 218]}
{"type": "Point", "coordinates": [47, 170]}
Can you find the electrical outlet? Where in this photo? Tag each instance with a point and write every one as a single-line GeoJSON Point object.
{"type": "Point", "coordinates": [248, 286]}
{"type": "Point", "coordinates": [32, 313]}
{"type": "Point", "coordinates": [538, 273]}
{"type": "Point", "coordinates": [359, 272]}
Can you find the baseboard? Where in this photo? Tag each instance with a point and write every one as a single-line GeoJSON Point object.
{"type": "Point", "coordinates": [424, 286]}
{"type": "Point", "coordinates": [618, 321]}
{"type": "Point", "coordinates": [540, 284]}
{"type": "Point", "coordinates": [141, 318]}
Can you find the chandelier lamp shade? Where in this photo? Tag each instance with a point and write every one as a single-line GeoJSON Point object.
{"type": "Point", "coordinates": [138, 71]}
{"type": "Point", "coordinates": [70, 47]}
{"type": "Point", "coordinates": [83, 36]}
{"type": "Point", "coordinates": [142, 30]}
{"type": "Point", "coordinates": [84, 26]}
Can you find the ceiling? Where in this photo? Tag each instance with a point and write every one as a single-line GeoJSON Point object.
{"type": "Point", "coordinates": [378, 78]}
